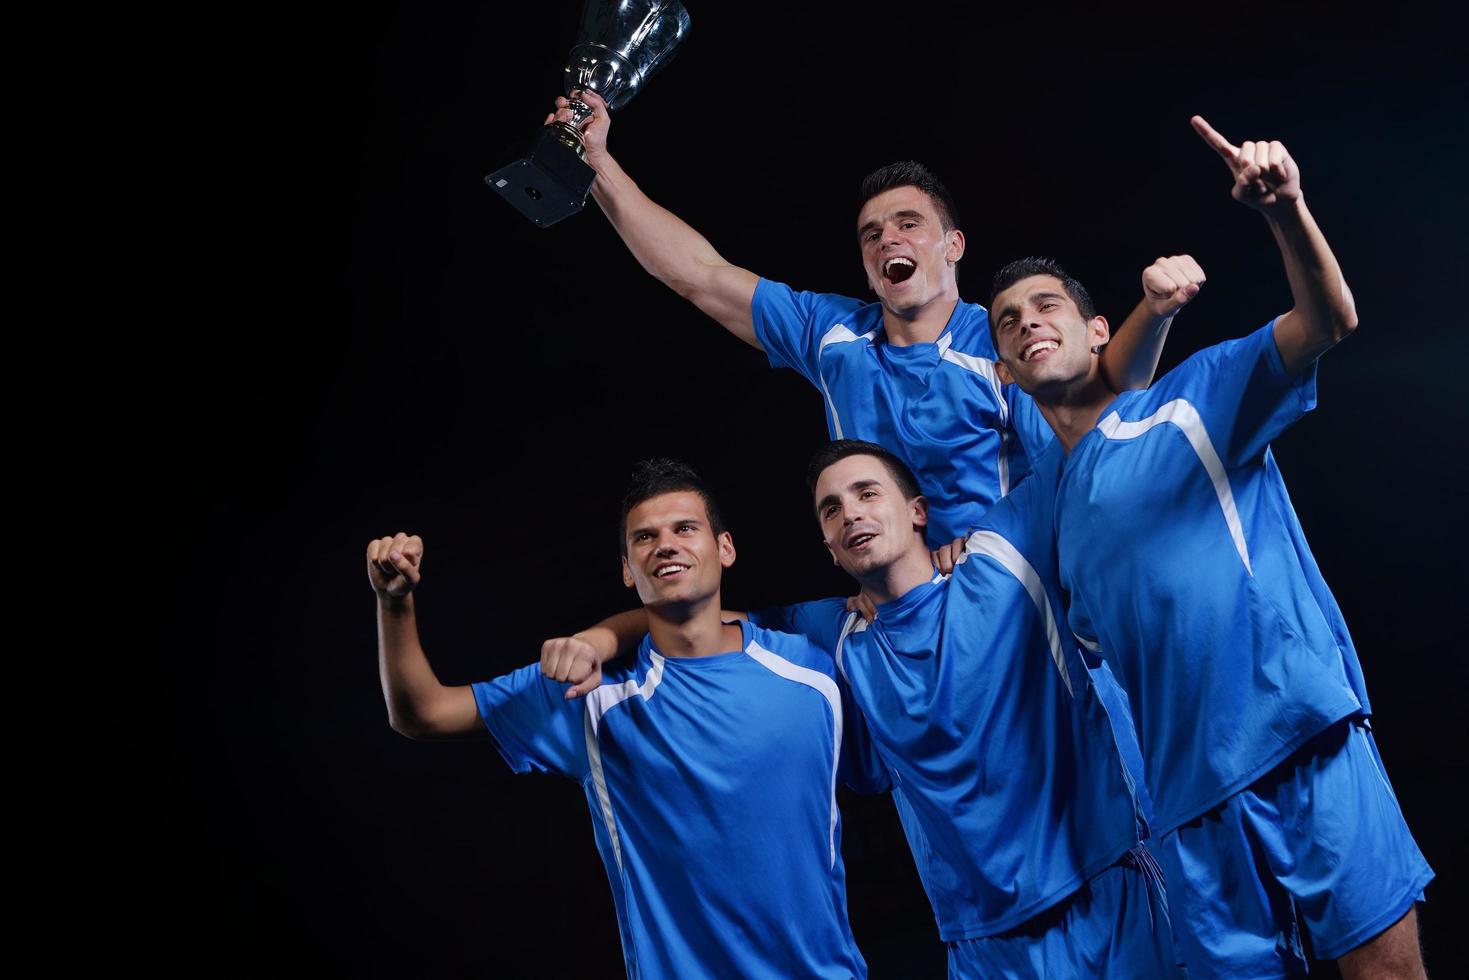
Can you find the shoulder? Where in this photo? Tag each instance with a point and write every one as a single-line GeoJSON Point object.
{"type": "Point", "coordinates": [969, 334]}
{"type": "Point", "coordinates": [1201, 365]}
{"type": "Point", "coordinates": [770, 292]}
{"type": "Point", "coordinates": [794, 649]}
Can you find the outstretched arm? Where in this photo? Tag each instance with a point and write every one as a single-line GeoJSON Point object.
{"type": "Point", "coordinates": [1268, 180]}
{"type": "Point", "coordinates": [578, 658]}
{"type": "Point", "coordinates": [1131, 359]}
{"type": "Point", "coordinates": [675, 254]}
{"type": "Point", "coordinates": [418, 705]}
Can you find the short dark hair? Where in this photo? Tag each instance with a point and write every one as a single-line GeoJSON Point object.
{"type": "Point", "coordinates": [839, 450]}
{"type": "Point", "coordinates": [1039, 265]}
{"type": "Point", "coordinates": [910, 173]}
{"type": "Point", "coordinates": [655, 477]}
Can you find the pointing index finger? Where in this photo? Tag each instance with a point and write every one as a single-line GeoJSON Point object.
{"type": "Point", "coordinates": [1222, 146]}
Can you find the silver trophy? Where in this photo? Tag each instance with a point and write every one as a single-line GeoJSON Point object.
{"type": "Point", "coordinates": [622, 44]}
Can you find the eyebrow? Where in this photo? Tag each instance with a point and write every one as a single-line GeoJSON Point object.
{"type": "Point", "coordinates": [1010, 308]}
{"type": "Point", "coordinates": [874, 223]}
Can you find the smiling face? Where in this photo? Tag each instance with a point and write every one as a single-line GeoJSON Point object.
{"type": "Point", "coordinates": [908, 255]}
{"type": "Point", "coordinates": [1044, 342]}
{"type": "Point", "coordinates": [673, 555]}
{"type": "Point", "coordinates": [866, 521]}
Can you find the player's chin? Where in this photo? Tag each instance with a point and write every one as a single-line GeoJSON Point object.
{"type": "Point", "coordinates": [858, 564]}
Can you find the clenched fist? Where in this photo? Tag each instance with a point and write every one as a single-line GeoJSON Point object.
{"type": "Point", "coordinates": [570, 658]}
{"type": "Point", "coordinates": [1170, 282]}
{"type": "Point", "coordinates": [394, 564]}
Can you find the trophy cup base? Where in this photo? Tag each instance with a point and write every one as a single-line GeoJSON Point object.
{"type": "Point", "coordinates": [546, 185]}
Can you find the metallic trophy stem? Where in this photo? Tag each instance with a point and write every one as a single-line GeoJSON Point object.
{"type": "Point", "coordinates": [568, 134]}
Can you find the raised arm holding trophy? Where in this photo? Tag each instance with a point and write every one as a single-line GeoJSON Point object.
{"type": "Point", "coordinates": [621, 45]}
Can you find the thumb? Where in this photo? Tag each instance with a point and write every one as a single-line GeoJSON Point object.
{"type": "Point", "coordinates": [585, 686]}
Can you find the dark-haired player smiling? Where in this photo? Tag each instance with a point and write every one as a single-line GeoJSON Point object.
{"type": "Point", "coordinates": [1188, 571]}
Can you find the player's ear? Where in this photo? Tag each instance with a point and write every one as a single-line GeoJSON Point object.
{"type": "Point", "coordinates": [827, 544]}
{"type": "Point", "coordinates": [627, 573]}
{"type": "Point", "coordinates": [955, 251]}
{"type": "Point", "coordinates": [919, 510]}
{"type": "Point", "coordinates": [726, 550]}
{"type": "Point", "coordinates": [1098, 332]}
{"type": "Point", "coordinates": [1003, 373]}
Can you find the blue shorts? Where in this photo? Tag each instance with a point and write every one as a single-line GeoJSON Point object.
{"type": "Point", "coordinates": [1115, 925]}
{"type": "Point", "coordinates": [1318, 843]}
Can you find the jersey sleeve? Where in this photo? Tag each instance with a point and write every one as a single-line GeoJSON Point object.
{"type": "Point", "coordinates": [534, 726]}
{"type": "Point", "coordinates": [819, 621]}
{"type": "Point", "coordinates": [1244, 396]}
{"type": "Point", "coordinates": [790, 325]}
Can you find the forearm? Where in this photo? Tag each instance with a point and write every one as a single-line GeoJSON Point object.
{"type": "Point", "coordinates": [674, 253]}
{"type": "Point", "coordinates": [1131, 358]}
{"type": "Point", "coordinates": [418, 705]}
{"type": "Point", "coordinates": [617, 634]}
{"type": "Point", "coordinates": [1324, 311]}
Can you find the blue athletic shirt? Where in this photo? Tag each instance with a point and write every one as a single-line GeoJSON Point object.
{"type": "Point", "coordinates": [712, 786]}
{"type": "Point", "coordinates": [1188, 570]}
{"type": "Point", "coordinates": [1002, 762]}
{"type": "Point", "coordinates": [939, 407]}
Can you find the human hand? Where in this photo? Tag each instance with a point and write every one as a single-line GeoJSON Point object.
{"type": "Point", "coordinates": [946, 556]}
{"type": "Point", "coordinates": [862, 603]}
{"type": "Point", "coordinates": [1170, 282]}
{"type": "Point", "coordinates": [570, 658]}
{"type": "Point", "coordinates": [1265, 176]}
{"type": "Point", "coordinates": [593, 128]}
{"type": "Point", "coordinates": [393, 564]}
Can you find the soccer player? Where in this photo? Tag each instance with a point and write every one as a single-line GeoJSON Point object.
{"type": "Point", "coordinates": [1188, 571]}
{"type": "Point", "coordinates": [913, 371]}
{"type": "Point", "coordinates": [999, 754]}
{"type": "Point", "coordinates": [709, 763]}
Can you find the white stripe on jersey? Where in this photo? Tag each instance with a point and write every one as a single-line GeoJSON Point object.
{"type": "Point", "coordinates": [1186, 418]}
{"type": "Point", "coordinates": [985, 368]}
{"type": "Point", "coordinates": [991, 544]}
{"type": "Point", "coordinates": [854, 624]}
{"type": "Point", "coordinates": [838, 334]}
{"type": "Point", "coordinates": [828, 689]}
{"type": "Point", "coordinates": [598, 703]}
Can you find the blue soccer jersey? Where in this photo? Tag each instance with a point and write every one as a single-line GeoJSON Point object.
{"type": "Point", "coordinates": [1188, 571]}
{"type": "Point", "coordinates": [939, 407]}
{"type": "Point", "coordinates": [1002, 763]}
{"type": "Point", "coordinates": [712, 786]}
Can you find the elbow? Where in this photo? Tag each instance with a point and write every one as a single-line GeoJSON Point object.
{"type": "Point", "coordinates": [686, 286]}
{"type": "Point", "coordinates": [408, 727]}
{"type": "Point", "coordinates": [1345, 321]}
{"type": "Point", "coordinates": [411, 723]}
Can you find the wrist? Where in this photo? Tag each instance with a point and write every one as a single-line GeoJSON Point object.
{"type": "Point", "coordinates": [602, 641]}
{"type": "Point", "coordinates": [1287, 214]}
{"type": "Point", "coordinates": [396, 605]}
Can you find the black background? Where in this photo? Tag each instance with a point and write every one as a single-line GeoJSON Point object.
{"type": "Point", "coordinates": [378, 343]}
